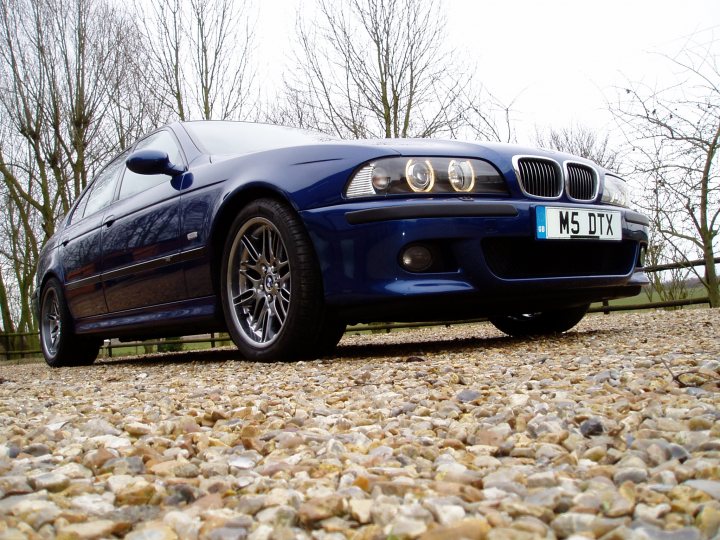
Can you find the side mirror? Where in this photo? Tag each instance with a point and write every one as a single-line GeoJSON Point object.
{"type": "Point", "coordinates": [152, 162]}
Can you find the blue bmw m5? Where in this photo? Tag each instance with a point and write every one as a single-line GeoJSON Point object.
{"type": "Point", "coordinates": [283, 236]}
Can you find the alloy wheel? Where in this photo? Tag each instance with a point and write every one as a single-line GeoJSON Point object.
{"type": "Point", "coordinates": [51, 322]}
{"type": "Point", "coordinates": [259, 282]}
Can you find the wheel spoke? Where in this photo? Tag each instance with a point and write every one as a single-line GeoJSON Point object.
{"type": "Point", "coordinates": [258, 309]}
{"type": "Point", "coordinates": [268, 245]}
{"type": "Point", "coordinates": [284, 295]}
{"type": "Point", "coordinates": [265, 324]}
{"type": "Point", "coordinates": [250, 248]}
{"type": "Point", "coordinates": [251, 275]}
{"type": "Point", "coordinates": [245, 298]}
{"type": "Point", "coordinates": [278, 253]}
{"type": "Point", "coordinates": [280, 310]}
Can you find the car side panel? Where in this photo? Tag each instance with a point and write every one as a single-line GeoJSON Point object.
{"type": "Point", "coordinates": [140, 265]}
{"type": "Point", "coordinates": [80, 253]}
{"type": "Point", "coordinates": [198, 209]}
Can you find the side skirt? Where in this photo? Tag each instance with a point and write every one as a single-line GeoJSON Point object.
{"type": "Point", "coordinates": [174, 319]}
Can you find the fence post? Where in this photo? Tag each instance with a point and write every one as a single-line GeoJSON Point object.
{"type": "Point", "coordinates": [605, 305]}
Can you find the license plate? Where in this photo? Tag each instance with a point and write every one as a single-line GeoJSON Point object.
{"type": "Point", "coordinates": [577, 223]}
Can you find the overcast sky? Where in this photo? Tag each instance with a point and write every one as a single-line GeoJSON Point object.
{"type": "Point", "coordinates": [559, 60]}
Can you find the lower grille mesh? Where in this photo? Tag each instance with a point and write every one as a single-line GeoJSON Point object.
{"type": "Point", "coordinates": [520, 258]}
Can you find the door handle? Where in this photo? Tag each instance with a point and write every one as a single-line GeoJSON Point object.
{"type": "Point", "coordinates": [64, 242]}
{"type": "Point", "coordinates": [109, 220]}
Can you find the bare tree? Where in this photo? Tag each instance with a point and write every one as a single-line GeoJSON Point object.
{"type": "Point", "coordinates": [58, 70]}
{"type": "Point", "coordinates": [675, 133]}
{"type": "Point", "coordinates": [6, 269]}
{"type": "Point", "coordinates": [581, 141]}
{"type": "Point", "coordinates": [57, 67]}
{"type": "Point", "coordinates": [486, 117]}
{"type": "Point", "coordinates": [6, 316]}
{"type": "Point", "coordinates": [200, 53]}
{"type": "Point", "coordinates": [74, 89]}
{"type": "Point", "coordinates": [132, 108]}
{"type": "Point", "coordinates": [668, 284]}
{"type": "Point", "coordinates": [375, 68]}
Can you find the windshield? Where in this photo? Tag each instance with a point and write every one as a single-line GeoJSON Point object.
{"type": "Point", "coordinates": [224, 137]}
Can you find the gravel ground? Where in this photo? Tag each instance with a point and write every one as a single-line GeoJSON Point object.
{"type": "Point", "coordinates": [433, 433]}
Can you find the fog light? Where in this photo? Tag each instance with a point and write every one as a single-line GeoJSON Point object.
{"type": "Point", "coordinates": [417, 258]}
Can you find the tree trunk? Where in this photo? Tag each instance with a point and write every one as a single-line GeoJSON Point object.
{"type": "Point", "coordinates": [711, 277]}
{"type": "Point", "coordinates": [8, 326]}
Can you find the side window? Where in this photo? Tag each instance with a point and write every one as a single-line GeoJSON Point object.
{"type": "Point", "coordinates": [134, 183]}
{"type": "Point", "coordinates": [80, 207]}
{"type": "Point", "coordinates": [103, 187]}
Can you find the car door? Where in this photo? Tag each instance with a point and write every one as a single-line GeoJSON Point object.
{"type": "Point", "coordinates": [81, 244]}
{"type": "Point", "coordinates": [141, 240]}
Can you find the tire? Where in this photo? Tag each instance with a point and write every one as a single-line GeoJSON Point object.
{"type": "Point", "coordinates": [331, 332]}
{"type": "Point", "coordinates": [270, 283]}
{"type": "Point", "coordinates": [541, 323]}
{"type": "Point", "coordinates": [60, 345]}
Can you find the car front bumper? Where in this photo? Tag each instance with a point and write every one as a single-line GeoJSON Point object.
{"type": "Point", "coordinates": [490, 259]}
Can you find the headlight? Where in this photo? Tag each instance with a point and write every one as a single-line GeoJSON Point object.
{"type": "Point", "coordinates": [461, 175]}
{"type": "Point", "coordinates": [425, 175]}
{"type": "Point", "coordinates": [420, 175]}
{"type": "Point", "coordinates": [616, 191]}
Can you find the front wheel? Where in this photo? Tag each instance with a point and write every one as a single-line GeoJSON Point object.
{"type": "Point", "coordinates": [60, 345]}
{"type": "Point", "coordinates": [540, 323]}
{"type": "Point", "coordinates": [331, 332]}
{"type": "Point", "coordinates": [271, 287]}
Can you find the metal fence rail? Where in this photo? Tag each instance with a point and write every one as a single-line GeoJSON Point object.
{"type": "Point", "coordinates": [8, 350]}
{"type": "Point", "coordinates": [678, 265]}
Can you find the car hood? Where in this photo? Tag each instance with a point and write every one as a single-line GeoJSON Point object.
{"type": "Point", "coordinates": [485, 149]}
{"type": "Point", "coordinates": [499, 153]}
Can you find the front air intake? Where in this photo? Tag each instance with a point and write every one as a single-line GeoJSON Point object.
{"type": "Point", "coordinates": [527, 258]}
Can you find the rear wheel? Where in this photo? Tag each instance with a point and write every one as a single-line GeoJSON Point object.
{"type": "Point", "coordinates": [270, 284]}
{"type": "Point", "coordinates": [60, 345]}
{"type": "Point", "coordinates": [540, 323]}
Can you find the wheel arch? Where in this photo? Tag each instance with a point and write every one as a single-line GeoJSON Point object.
{"type": "Point", "coordinates": [42, 283]}
{"type": "Point", "coordinates": [50, 274]}
{"type": "Point", "coordinates": [230, 208]}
